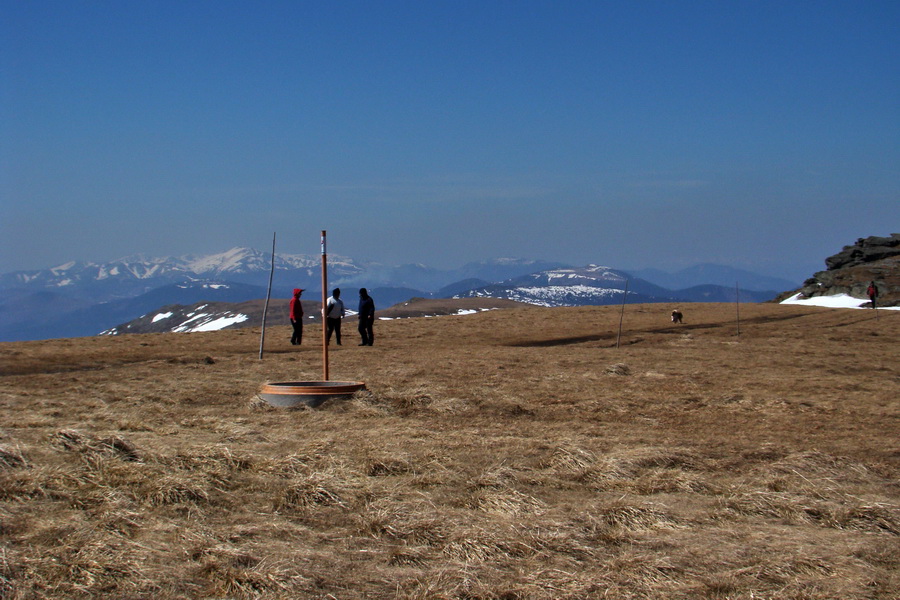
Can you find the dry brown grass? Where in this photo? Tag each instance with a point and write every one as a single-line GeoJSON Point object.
{"type": "Point", "coordinates": [511, 454]}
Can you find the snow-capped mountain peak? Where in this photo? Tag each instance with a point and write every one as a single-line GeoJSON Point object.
{"type": "Point", "coordinates": [132, 275]}
{"type": "Point", "coordinates": [64, 267]}
{"type": "Point", "coordinates": [234, 260]}
{"type": "Point", "coordinates": [591, 275]}
{"type": "Point", "coordinates": [571, 286]}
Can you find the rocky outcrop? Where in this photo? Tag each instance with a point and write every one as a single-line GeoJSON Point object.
{"type": "Point", "coordinates": [851, 270]}
{"type": "Point", "coordinates": [865, 250]}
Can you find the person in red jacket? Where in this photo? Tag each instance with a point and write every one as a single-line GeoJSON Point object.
{"type": "Point", "coordinates": [873, 293]}
{"type": "Point", "coordinates": [296, 313]}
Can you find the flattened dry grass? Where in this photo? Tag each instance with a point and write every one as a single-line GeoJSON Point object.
{"type": "Point", "coordinates": [510, 454]}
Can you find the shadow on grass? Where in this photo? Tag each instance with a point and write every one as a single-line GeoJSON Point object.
{"type": "Point", "coordinates": [582, 339]}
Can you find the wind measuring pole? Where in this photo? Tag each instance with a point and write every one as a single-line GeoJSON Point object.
{"type": "Point", "coordinates": [311, 393]}
{"type": "Point", "coordinates": [324, 301]}
{"type": "Point", "coordinates": [262, 336]}
{"type": "Point", "coordinates": [622, 314]}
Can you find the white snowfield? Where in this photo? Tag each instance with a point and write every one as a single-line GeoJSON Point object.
{"type": "Point", "coordinates": [203, 322]}
{"type": "Point", "coordinates": [838, 301]}
{"type": "Point", "coordinates": [461, 311]}
{"type": "Point", "coordinates": [221, 323]}
{"type": "Point", "coordinates": [550, 295]}
{"type": "Point", "coordinates": [553, 295]}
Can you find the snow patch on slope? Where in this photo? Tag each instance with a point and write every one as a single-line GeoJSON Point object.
{"type": "Point", "coordinates": [208, 322]}
{"type": "Point", "coordinates": [836, 301]}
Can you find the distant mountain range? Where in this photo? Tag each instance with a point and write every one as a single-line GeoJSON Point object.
{"type": "Point", "coordinates": [596, 285]}
{"type": "Point", "coordinates": [78, 299]}
{"type": "Point", "coordinates": [135, 275]}
{"type": "Point", "coordinates": [708, 274]}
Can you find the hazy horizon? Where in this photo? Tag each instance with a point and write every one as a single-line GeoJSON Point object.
{"type": "Point", "coordinates": [333, 256]}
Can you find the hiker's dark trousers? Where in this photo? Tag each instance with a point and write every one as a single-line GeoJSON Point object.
{"type": "Point", "coordinates": [365, 332]}
{"type": "Point", "coordinates": [335, 326]}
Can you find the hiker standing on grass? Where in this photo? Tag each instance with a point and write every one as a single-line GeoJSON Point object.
{"type": "Point", "coordinates": [366, 317]}
{"type": "Point", "coordinates": [334, 312]}
{"type": "Point", "coordinates": [873, 293]}
{"type": "Point", "coordinates": [296, 313]}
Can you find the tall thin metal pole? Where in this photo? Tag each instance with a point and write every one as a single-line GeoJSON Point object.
{"type": "Point", "coordinates": [622, 314]}
{"type": "Point", "coordinates": [737, 303]}
{"type": "Point", "coordinates": [262, 337]}
{"type": "Point", "coordinates": [324, 301]}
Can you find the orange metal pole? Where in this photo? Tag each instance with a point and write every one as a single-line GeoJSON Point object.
{"type": "Point", "coordinates": [324, 300]}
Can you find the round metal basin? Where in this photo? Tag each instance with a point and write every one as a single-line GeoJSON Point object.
{"type": "Point", "coordinates": [311, 393]}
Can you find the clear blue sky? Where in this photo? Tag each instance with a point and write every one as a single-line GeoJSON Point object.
{"type": "Point", "coordinates": [763, 135]}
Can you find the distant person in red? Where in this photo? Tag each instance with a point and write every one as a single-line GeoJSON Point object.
{"type": "Point", "coordinates": [873, 293]}
{"type": "Point", "coordinates": [296, 313]}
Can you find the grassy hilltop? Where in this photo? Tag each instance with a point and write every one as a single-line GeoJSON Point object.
{"type": "Point", "coordinates": [514, 454]}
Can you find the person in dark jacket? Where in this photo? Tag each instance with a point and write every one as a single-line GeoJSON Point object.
{"type": "Point", "coordinates": [366, 317]}
{"type": "Point", "coordinates": [296, 314]}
